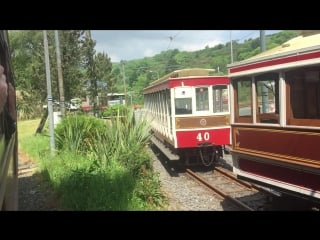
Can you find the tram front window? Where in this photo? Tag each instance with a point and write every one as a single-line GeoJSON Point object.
{"type": "Point", "coordinates": [202, 99]}
{"type": "Point", "coordinates": [183, 105]}
{"type": "Point", "coordinates": [183, 100]}
{"type": "Point", "coordinates": [220, 99]}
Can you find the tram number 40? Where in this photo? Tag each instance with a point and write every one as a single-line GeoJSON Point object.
{"type": "Point", "coordinates": [203, 136]}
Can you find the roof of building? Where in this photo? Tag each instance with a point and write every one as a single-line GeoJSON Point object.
{"type": "Point", "coordinates": [99, 84]}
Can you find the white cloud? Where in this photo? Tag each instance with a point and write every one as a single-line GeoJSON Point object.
{"type": "Point", "coordinates": [148, 52]}
{"type": "Point", "coordinates": [137, 44]}
{"type": "Point", "coordinates": [199, 46]}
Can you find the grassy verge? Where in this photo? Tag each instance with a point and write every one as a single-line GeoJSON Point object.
{"type": "Point", "coordinates": [97, 166]}
{"type": "Point", "coordinates": [33, 145]}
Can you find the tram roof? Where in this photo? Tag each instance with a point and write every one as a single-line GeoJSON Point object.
{"type": "Point", "coordinates": [187, 72]}
{"type": "Point", "coordinates": [186, 77]}
{"type": "Point", "coordinates": [307, 41]}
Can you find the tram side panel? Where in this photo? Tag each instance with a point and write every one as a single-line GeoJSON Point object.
{"type": "Point", "coordinates": [276, 120]}
{"type": "Point", "coordinates": [281, 158]}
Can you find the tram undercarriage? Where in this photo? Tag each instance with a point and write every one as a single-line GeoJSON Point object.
{"type": "Point", "coordinates": [204, 155]}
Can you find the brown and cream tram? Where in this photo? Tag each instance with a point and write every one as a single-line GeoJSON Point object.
{"type": "Point", "coordinates": [276, 117]}
{"type": "Point", "coordinates": [189, 112]}
{"type": "Point", "coordinates": [8, 133]}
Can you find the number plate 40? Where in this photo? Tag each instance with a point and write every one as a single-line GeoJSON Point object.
{"type": "Point", "coordinates": [203, 136]}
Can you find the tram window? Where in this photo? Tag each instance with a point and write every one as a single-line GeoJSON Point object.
{"type": "Point", "coordinates": [202, 99]}
{"type": "Point", "coordinates": [183, 100]}
{"type": "Point", "coordinates": [220, 98]}
{"type": "Point", "coordinates": [168, 101]}
{"type": "Point", "coordinates": [267, 89]}
{"type": "Point", "coordinates": [183, 106]}
{"type": "Point", "coordinates": [244, 101]}
{"type": "Point", "coordinates": [304, 92]}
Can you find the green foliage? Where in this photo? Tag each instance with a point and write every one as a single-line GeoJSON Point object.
{"type": "Point", "coordinates": [29, 65]}
{"type": "Point", "coordinates": [84, 181]}
{"type": "Point", "coordinates": [36, 146]}
{"type": "Point", "coordinates": [115, 110]}
{"type": "Point", "coordinates": [28, 105]}
{"type": "Point", "coordinates": [78, 132]}
{"type": "Point", "coordinates": [104, 71]}
{"type": "Point", "coordinates": [72, 53]}
{"type": "Point", "coordinates": [90, 66]}
{"type": "Point", "coordinates": [27, 54]}
{"type": "Point", "coordinates": [126, 138]}
{"type": "Point", "coordinates": [82, 186]}
{"type": "Point", "coordinates": [148, 191]}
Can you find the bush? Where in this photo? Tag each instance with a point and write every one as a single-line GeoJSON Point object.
{"type": "Point", "coordinates": [115, 110]}
{"type": "Point", "coordinates": [78, 132]}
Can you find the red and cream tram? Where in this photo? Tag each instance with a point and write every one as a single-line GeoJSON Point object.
{"type": "Point", "coordinates": [189, 112]}
{"type": "Point", "coordinates": [276, 117]}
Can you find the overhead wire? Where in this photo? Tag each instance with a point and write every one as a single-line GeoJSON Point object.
{"type": "Point", "coordinates": [246, 36]}
{"type": "Point", "coordinates": [172, 38]}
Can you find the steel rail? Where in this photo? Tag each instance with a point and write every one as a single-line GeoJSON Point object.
{"type": "Point", "coordinates": [221, 193]}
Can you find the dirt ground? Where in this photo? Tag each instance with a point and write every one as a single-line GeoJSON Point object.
{"type": "Point", "coordinates": [35, 194]}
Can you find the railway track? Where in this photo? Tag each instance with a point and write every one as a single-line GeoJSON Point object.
{"type": "Point", "coordinates": [215, 185]}
{"type": "Point", "coordinates": [251, 197]}
{"type": "Point", "coordinates": [244, 196]}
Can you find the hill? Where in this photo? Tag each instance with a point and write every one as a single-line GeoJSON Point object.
{"type": "Point", "coordinates": [139, 73]}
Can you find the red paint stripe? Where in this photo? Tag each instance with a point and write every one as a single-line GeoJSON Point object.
{"type": "Point", "coordinates": [188, 139]}
{"type": "Point", "coordinates": [177, 82]}
{"type": "Point", "coordinates": [296, 58]}
{"type": "Point", "coordinates": [198, 81]}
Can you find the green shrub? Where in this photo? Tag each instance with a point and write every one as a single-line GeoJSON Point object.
{"type": "Point", "coordinates": [126, 140]}
{"type": "Point", "coordinates": [78, 132]}
{"type": "Point", "coordinates": [115, 110]}
{"type": "Point", "coordinates": [99, 166]}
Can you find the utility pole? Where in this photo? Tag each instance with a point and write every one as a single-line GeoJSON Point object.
{"type": "Point", "coordinates": [262, 40]}
{"type": "Point", "coordinates": [231, 50]}
{"type": "Point", "coordinates": [124, 81]}
{"type": "Point", "coordinates": [92, 74]}
{"type": "Point", "coordinates": [50, 108]}
{"type": "Point", "coordinates": [60, 78]}
{"type": "Point", "coordinates": [264, 89]}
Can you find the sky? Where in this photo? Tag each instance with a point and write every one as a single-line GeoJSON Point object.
{"type": "Point", "coordinates": [137, 44]}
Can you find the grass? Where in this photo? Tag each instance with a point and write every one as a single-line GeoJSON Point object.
{"type": "Point", "coordinates": [33, 145]}
{"type": "Point", "coordinates": [83, 187]}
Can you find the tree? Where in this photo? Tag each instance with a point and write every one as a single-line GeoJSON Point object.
{"type": "Point", "coordinates": [89, 64]}
{"type": "Point", "coordinates": [71, 45]}
{"type": "Point", "coordinates": [28, 62]}
{"type": "Point", "coordinates": [141, 83]}
{"type": "Point", "coordinates": [104, 71]}
{"type": "Point", "coordinates": [171, 61]}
